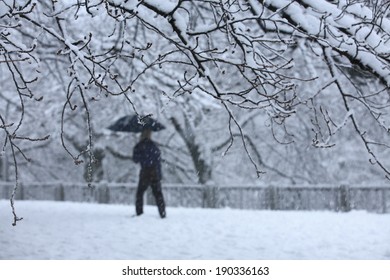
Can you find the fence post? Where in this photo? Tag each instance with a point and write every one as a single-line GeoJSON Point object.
{"type": "Point", "coordinates": [59, 194]}
{"type": "Point", "coordinates": [19, 195]}
{"type": "Point", "coordinates": [103, 194]}
{"type": "Point", "coordinates": [210, 196]}
{"type": "Point", "coordinates": [5, 191]}
{"type": "Point", "coordinates": [345, 199]}
{"type": "Point", "coordinates": [384, 202]}
{"type": "Point", "coordinates": [272, 198]}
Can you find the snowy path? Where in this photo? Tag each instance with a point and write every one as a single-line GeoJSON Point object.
{"type": "Point", "coordinates": [54, 230]}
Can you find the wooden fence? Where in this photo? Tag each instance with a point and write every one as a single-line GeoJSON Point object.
{"type": "Point", "coordinates": [332, 198]}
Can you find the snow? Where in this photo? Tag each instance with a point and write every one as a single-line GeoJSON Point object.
{"type": "Point", "coordinates": [312, 24]}
{"type": "Point", "coordinates": [164, 6]}
{"type": "Point", "coordinates": [66, 230]}
{"type": "Point", "coordinates": [181, 23]}
{"type": "Point", "coordinates": [365, 34]}
{"type": "Point", "coordinates": [3, 9]}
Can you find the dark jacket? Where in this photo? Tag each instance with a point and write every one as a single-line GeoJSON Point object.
{"type": "Point", "coordinates": [148, 155]}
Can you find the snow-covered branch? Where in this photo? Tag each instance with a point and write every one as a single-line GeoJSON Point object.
{"type": "Point", "coordinates": [349, 28]}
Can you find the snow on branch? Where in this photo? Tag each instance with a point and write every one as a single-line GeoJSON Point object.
{"type": "Point", "coordinates": [365, 42]}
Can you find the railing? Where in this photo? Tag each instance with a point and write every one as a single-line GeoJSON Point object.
{"type": "Point", "coordinates": [332, 198]}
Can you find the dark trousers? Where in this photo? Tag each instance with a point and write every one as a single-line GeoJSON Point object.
{"type": "Point", "coordinates": [149, 177]}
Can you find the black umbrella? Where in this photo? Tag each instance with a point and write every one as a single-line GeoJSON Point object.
{"type": "Point", "coordinates": [136, 124]}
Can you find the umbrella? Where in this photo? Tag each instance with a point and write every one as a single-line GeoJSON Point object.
{"type": "Point", "coordinates": [136, 124]}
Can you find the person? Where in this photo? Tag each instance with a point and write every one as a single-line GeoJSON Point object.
{"type": "Point", "coordinates": [148, 155]}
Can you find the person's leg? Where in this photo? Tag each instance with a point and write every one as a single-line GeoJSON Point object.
{"type": "Point", "coordinates": [158, 195]}
{"type": "Point", "coordinates": [142, 186]}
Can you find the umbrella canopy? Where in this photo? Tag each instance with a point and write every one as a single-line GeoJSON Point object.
{"type": "Point", "coordinates": [136, 124]}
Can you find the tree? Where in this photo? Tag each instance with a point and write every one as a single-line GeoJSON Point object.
{"type": "Point", "coordinates": [239, 54]}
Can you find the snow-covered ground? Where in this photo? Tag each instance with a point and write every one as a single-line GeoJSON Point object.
{"type": "Point", "coordinates": [57, 230]}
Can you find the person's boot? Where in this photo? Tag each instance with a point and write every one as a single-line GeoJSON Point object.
{"type": "Point", "coordinates": [163, 214]}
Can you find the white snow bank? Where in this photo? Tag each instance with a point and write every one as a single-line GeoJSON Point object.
{"type": "Point", "coordinates": [56, 230]}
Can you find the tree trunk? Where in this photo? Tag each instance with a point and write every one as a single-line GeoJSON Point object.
{"type": "Point", "coordinates": [202, 167]}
